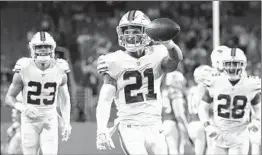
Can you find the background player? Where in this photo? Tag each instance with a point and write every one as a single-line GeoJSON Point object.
{"type": "Point", "coordinates": [133, 77]}
{"type": "Point", "coordinates": [234, 94]}
{"type": "Point", "coordinates": [174, 118]}
{"type": "Point", "coordinates": [196, 129]}
{"type": "Point", "coordinates": [40, 78]}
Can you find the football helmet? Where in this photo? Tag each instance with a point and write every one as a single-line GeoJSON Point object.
{"type": "Point", "coordinates": [175, 79]}
{"type": "Point", "coordinates": [42, 47]}
{"type": "Point", "coordinates": [216, 57]}
{"type": "Point", "coordinates": [131, 30]}
{"type": "Point", "coordinates": [202, 72]}
{"type": "Point", "coordinates": [234, 63]}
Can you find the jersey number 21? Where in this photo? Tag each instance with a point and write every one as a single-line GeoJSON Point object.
{"type": "Point", "coordinates": [138, 75]}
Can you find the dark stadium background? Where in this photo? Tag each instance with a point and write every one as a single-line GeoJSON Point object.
{"type": "Point", "coordinates": [85, 30]}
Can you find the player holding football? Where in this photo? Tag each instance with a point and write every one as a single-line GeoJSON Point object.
{"type": "Point", "coordinates": [174, 118]}
{"type": "Point", "coordinates": [233, 94]}
{"type": "Point", "coordinates": [132, 77]}
{"type": "Point", "coordinates": [40, 79]}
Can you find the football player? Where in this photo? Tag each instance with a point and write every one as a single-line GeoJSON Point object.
{"type": "Point", "coordinates": [205, 73]}
{"type": "Point", "coordinates": [132, 77]}
{"type": "Point", "coordinates": [233, 94]}
{"type": "Point", "coordinates": [174, 118]}
{"type": "Point", "coordinates": [196, 130]}
{"type": "Point", "coordinates": [40, 78]}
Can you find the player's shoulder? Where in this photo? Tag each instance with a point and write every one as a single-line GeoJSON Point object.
{"type": "Point", "coordinates": [253, 82]}
{"type": "Point", "coordinates": [112, 56]}
{"type": "Point", "coordinates": [63, 65]}
{"type": "Point", "coordinates": [159, 49]}
{"type": "Point", "coordinates": [21, 63]}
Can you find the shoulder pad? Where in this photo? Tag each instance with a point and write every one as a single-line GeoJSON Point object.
{"type": "Point", "coordinates": [256, 82]}
{"type": "Point", "coordinates": [105, 62]}
{"type": "Point", "coordinates": [63, 64]}
{"type": "Point", "coordinates": [20, 64]}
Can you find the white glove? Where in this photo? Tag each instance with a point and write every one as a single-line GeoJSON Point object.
{"type": "Point", "coordinates": [101, 64]}
{"type": "Point", "coordinates": [28, 110]}
{"type": "Point", "coordinates": [104, 141]}
{"type": "Point", "coordinates": [211, 131]}
{"type": "Point", "coordinates": [66, 131]}
{"type": "Point", "coordinates": [254, 125]}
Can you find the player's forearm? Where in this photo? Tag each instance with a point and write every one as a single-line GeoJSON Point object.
{"type": "Point", "coordinates": [65, 106]}
{"type": "Point", "coordinates": [103, 109]}
{"type": "Point", "coordinates": [179, 110]}
{"type": "Point", "coordinates": [174, 51]}
{"type": "Point", "coordinates": [10, 101]}
{"type": "Point", "coordinates": [198, 95]}
{"type": "Point", "coordinates": [175, 55]}
{"type": "Point", "coordinates": [203, 112]}
{"type": "Point", "coordinates": [66, 112]}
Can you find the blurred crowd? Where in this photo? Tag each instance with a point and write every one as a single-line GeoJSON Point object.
{"type": "Point", "coordinates": [88, 29]}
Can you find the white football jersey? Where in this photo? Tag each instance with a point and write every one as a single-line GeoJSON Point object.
{"type": "Point", "coordinates": [138, 96]}
{"type": "Point", "coordinates": [192, 107]}
{"type": "Point", "coordinates": [232, 104]}
{"type": "Point", "coordinates": [41, 87]}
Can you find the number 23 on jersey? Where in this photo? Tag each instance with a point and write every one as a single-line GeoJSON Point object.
{"type": "Point", "coordinates": [37, 93]}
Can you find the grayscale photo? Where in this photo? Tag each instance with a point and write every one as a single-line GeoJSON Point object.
{"type": "Point", "coordinates": [130, 77]}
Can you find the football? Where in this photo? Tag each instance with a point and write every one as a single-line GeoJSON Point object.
{"type": "Point", "coordinates": [162, 29]}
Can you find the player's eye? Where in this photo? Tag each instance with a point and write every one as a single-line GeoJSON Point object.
{"type": "Point", "coordinates": [42, 47]}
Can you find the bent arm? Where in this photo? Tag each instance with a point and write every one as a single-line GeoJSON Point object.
{"type": "Point", "coordinates": [175, 55]}
{"type": "Point", "coordinates": [106, 96]}
{"type": "Point", "coordinates": [14, 89]}
{"type": "Point", "coordinates": [198, 95]}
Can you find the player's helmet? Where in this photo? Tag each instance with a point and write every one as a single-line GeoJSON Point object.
{"type": "Point", "coordinates": [234, 63]}
{"type": "Point", "coordinates": [42, 47]}
{"type": "Point", "coordinates": [175, 79]}
{"type": "Point", "coordinates": [216, 57]}
{"type": "Point", "coordinates": [131, 30]}
{"type": "Point", "coordinates": [202, 72]}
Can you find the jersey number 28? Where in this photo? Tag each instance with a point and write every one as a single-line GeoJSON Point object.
{"type": "Point", "coordinates": [237, 111]}
{"type": "Point", "coordinates": [38, 87]}
{"type": "Point", "coordinates": [139, 97]}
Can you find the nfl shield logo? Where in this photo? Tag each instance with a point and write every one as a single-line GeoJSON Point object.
{"type": "Point", "coordinates": [138, 63]}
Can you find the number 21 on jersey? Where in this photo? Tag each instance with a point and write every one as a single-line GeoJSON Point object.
{"type": "Point", "coordinates": [151, 95]}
